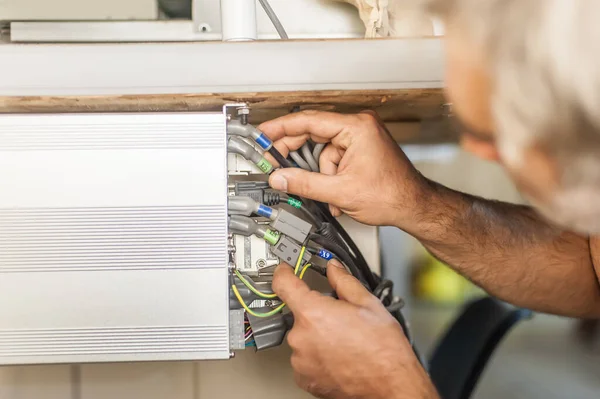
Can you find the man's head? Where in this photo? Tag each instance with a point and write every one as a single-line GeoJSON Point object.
{"type": "Point", "coordinates": [524, 81]}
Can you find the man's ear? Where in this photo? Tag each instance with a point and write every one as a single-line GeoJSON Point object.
{"type": "Point", "coordinates": [536, 175]}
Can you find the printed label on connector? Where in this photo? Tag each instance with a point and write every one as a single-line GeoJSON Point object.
{"type": "Point", "coordinates": [265, 166]}
{"type": "Point", "coordinates": [325, 254]}
{"type": "Point", "coordinates": [271, 237]}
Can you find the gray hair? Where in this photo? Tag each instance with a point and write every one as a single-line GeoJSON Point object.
{"type": "Point", "coordinates": [544, 58]}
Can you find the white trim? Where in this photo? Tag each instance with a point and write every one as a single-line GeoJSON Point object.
{"type": "Point", "coordinates": [104, 31]}
{"type": "Point", "coordinates": [162, 68]}
{"type": "Point", "coordinates": [133, 32]}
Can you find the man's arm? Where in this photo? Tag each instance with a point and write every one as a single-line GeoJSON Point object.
{"type": "Point", "coordinates": [507, 249]}
{"type": "Point", "coordinates": [511, 252]}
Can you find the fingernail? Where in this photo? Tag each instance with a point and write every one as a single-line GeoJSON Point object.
{"type": "Point", "coordinates": [279, 182]}
{"type": "Point", "coordinates": [336, 263]}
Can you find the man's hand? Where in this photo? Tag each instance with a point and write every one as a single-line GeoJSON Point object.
{"type": "Point", "coordinates": [363, 171]}
{"type": "Point", "coordinates": [351, 347]}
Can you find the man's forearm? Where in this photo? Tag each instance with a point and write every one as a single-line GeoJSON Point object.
{"type": "Point", "coordinates": [511, 252]}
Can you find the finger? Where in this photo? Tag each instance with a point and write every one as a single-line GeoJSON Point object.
{"type": "Point", "coordinates": [290, 143]}
{"type": "Point", "coordinates": [289, 288]}
{"type": "Point", "coordinates": [347, 287]}
{"type": "Point", "coordinates": [315, 186]}
{"type": "Point", "coordinates": [330, 159]}
{"type": "Point", "coordinates": [285, 146]}
{"type": "Point", "coordinates": [335, 211]}
{"type": "Point", "coordinates": [322, 126]}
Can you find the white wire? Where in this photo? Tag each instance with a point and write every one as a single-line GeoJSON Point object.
{"type": "Point", "coordinates": [299, 160]}
{"type": "Point", "coordinates": [308, 156]}
{"type": "Point", "coordinates": [317, 152]}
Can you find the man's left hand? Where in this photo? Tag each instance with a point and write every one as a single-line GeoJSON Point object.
{"type": "Point", "coordinates": [349, 347]}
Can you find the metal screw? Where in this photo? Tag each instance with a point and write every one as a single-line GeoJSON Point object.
{"type": "Point", "coordinates": [231, 354]}
{"type": "Point", "coordinates": [243, 112]}
{"type": "Point", "coordinates": [261, 263]}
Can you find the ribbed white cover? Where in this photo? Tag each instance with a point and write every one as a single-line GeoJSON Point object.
{"type": "Point", "coordinates": [113, 238]}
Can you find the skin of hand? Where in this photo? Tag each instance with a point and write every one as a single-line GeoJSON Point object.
{"type": "Point", "coordinates": [349, 347]}
{"type": "Point", "coordinates": [363, 172]}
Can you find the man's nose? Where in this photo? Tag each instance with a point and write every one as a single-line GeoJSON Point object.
{"type": "Point", "coordinates": [480, 149]}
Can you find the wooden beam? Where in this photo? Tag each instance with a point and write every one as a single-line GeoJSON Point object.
{"type": "Point", "coordinates": [411, 115]}
{"type": "Point", "coordinates": [392, 105]}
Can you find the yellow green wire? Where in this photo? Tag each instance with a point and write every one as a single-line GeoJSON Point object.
{"type": "Point", "coordinates": [299, 262]}
{"type": "Point", "coordinates": [252, 312]}
{"type": "Point", "coordinates": [262, 294]}
{"type": "Point", "coordinates": [304, 270]}
{"type": "Point", "coordinates": [252, 288]}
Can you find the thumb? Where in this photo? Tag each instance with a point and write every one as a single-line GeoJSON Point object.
{"type": "Point", "coordinates": [288, 287]}
{"type": "Point", "coordinates": [315, 186]}
{"type": "Point", "coordinates": [347, 287]}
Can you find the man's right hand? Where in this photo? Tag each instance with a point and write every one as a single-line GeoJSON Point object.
{"type": "Point", "coordinates": [364, 173]}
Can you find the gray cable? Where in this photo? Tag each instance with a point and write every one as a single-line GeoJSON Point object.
{"type": "Point", "coordinates": [238, 146]}
{"type": "Point", "coordinates": [317, 152]}
{"type": "Point", "coordinates": [273, 17]}
{"type": "Point", "coordinates": [299, 160]}
{"type": "Point", "coordinates": [308, 156]}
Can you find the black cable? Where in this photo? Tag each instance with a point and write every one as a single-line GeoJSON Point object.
{"type": "Point", "coordinates": [281, 160]}
{"type": "Point", "coordinates": [361, 262]}
{"type": "Point", "coordinates": [340, 253]}
{"type": "Point", "coordinates": [382, 286]}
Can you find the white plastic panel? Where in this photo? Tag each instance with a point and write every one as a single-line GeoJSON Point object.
{"type": "Point", "coordinates": [214, 67]}
{"type": "Point", "coordinates": [113, 238]}
{"type": "Point", "coordinates": [23, 10]}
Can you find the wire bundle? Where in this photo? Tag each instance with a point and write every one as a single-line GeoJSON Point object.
{"type": "Point", "coordinates": [330, 234]}
{"type": "Point", "coordinates": [298, 271]}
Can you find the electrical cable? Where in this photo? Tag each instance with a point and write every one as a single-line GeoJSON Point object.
{"type": "Point", "coordinates": [274, 19]}
{"type": "Point", "coordinates": [308, 156]}
{"type": "Point", "coordinates": [252, 287]}
{"type": "Point", "coordinates": [339, 253]}
{"type": "Point", "coordinates": [237, 294]}
{"type": "Point", "coordinates": [299, 160]}
{"type": "Point", "coordinates": [318, 150]}
{"type": "Point", "coordinates": [281, 160]}
{"type": "Point", "coordinates": [380, 289]}
{"type": "Point", "coordinates": [299, 261]}
{"type": "Point", "coordinates": [362, 263]}
{"type": "Point", "coordinates": [308, 265]}
{"type": "Point", "coordinates": [279, 308]}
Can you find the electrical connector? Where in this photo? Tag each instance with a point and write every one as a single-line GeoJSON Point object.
{"type": "Point", "coordinates": [238, 146]}
{"type": "Point", "coordinates": [288, 251]}
{"type": "Point", "coordinates": [246, 226]}
{"type": "Point", "coordinates": [259, 191]}
{"type": "Point", "coordinates": [247, 206]}
{"type": "Point", "coordinates": [270, 332]}
{"type": "Point", "coordinates": [291, 225]}
{"type": "Point", "coordinates": [237, 128]}
{"type": "Point", "coordinates": [236, 329]}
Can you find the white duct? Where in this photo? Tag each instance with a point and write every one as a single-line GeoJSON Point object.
{"type": "Point", "coordinates": [238, 19]}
